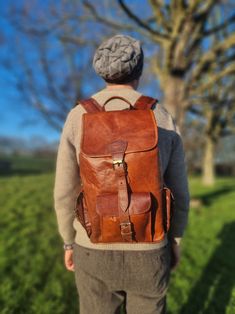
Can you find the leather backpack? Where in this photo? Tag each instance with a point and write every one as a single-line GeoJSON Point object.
{"type": "Point", "coordinates": [122, 197]}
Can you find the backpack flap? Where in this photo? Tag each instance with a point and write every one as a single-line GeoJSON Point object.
{"type": "Point", "coordinates": [137, 127]}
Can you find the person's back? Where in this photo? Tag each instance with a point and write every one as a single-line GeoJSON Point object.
{"type": "Point", "coordinates": [140, 270]}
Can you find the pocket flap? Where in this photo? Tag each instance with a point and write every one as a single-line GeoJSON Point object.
{"type": "Point", "coordinates": [107, 204]}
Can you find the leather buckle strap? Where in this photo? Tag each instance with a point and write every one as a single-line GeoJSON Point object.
{"type": "Point", "coordinates": [120, 167]}
{"type": "Point", "coordinates": [126, 231]}
{"type": "Point", "coordinates": [145, 102]}
{"type": "Point", "coordinates": [117, 150]}
{"type": "Point", "coordinates": [123, 199]}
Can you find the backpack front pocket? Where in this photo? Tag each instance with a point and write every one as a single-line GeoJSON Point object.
{"type": "Point", "coordinates": [139, 211]}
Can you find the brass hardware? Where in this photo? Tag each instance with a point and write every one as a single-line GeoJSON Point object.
{"type": "Point", "coordinates": [119, 161]}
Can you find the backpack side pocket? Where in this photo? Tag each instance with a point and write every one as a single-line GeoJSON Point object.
{"type": "Point", "coordinates": [81, 213]}
{"type": "Point", "coordinates": [168, 200]}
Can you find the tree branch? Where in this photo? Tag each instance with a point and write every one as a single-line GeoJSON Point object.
{"type": "Point", "coordinates": [178, 5]}
{"type": "Point", "coordinates": [159, 15]}
{"type": "Point", "coordinates": [156, 67]}
{"type": "Point", "coordinates": [115, 25]}
{"type": "Point", "coordinates": [215, 78]}
{"type": "Point", "coordinates": [205, 9]}
{"type": "Point", "coordinates": [211, 57]}
{"type": "Point", "coordinates": [193, 5]}
{"type": "Point", "coordinates": [219, 27]}
{"type": "Point", "coordinates": [49, 77]}
{"type": "Point", "coordinates": [103, 20]}
{"type": "Point", "coordinates": [44, 30]}
{"type": "Point", "coordinates": [182, 29]}
{"type": "Point", "coordinates": [64, 38]}
{"type": "Point", "coordinates": [158, 36]}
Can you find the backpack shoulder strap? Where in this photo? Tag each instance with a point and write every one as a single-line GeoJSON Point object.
{"type": "Point", "coordinates": [90, 105]}
{"type": "Point", "coordinates": [145, 102]}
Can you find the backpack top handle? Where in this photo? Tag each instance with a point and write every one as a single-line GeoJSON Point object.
{"type": "Point", "coordinates": [142, 103]}
{"type": "Point", "coordinates": [117, 97]}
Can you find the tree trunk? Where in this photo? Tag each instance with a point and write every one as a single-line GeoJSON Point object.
{"type": "Point", "coordinates": [208, 162]}
{"type": "Point", "coordinates": [174, 98]}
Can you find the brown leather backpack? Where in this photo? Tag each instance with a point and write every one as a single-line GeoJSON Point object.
{"type": "Point", "coordinates": [122, 196]}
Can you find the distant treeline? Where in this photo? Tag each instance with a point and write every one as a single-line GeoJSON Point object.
{"type": "Point", "coordinates": [34, 146]}
{"type": "Point", "coordinates": [24, 165]}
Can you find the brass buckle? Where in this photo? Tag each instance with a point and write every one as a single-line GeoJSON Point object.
{"type": "Point", "coordinates": [118, 163]}
{"type": "Point", "coordinates": [124, 225]}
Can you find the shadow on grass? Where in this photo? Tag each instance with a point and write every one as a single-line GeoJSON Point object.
{"type": "Point", "coordinates": [212, 292]}
{"type": "Point", "coordinates": [209, 198]}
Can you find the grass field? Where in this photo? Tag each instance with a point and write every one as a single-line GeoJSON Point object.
{"type": "Point", "coordinates": [33, 278]}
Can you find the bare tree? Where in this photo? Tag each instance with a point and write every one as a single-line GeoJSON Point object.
{"type": "Point", "coordinates": [49, 56]}
{"type": "Point", "coordinates": [184, 56]}
{"type": "Point", "coordinates": [190, 45]}
{"type": "Point", "coordinates": [195, 55]}
{"type": "Point", "coordinates": [216, 115]}
{"type": "Point", "coordinates": [184, 59]}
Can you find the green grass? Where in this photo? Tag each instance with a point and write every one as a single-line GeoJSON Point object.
{"type": "Point", "coordinates": [33, 278]}
{"type": "Point", "coordinates": [205, 281]}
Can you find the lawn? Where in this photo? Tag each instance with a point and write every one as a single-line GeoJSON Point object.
{"type": "Point", "coordinates": [33, 278]}
{"type": "Point", "coordinates": [205, 281]}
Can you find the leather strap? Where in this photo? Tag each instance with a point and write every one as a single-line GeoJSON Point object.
{"type": "Point", "coordinates": [117, 150]}
{"type": "Point", "coordinates": [123, 203]}
{"type": "Point", "coordinates": [118, 97]}
{"type": "Point", "coordinates": [91, 105]}
{"type": "Point", "coordinates": [145, 102]}
{"type": "Point", "coordinates": [86, 219]}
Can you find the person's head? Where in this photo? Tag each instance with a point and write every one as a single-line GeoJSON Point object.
{"type": "Point", "coordinates": [119, 60]}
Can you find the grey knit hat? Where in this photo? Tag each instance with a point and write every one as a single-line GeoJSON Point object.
{"type": "Point", "coordinates": [119, 59]}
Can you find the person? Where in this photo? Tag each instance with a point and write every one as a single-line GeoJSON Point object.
{"type": "Point", "coordinates": [108, 274]}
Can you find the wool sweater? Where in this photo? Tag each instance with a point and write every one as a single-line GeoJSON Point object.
{"type": "Point", "coordinates": [67, 177]}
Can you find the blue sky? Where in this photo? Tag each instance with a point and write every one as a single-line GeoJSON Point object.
{"type": "Point", "coordinates": [17, 118]}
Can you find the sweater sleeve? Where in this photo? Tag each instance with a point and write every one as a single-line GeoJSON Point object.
{"type": "Point", "coordinates": [175, 178]}
{"type": "Point", "coordinates": [66, 182]}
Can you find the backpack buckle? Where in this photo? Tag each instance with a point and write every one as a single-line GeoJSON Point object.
{"type": "Point", "coordinates": [125, 229]}
{"type": "Point", "coordinates": [118, 163]}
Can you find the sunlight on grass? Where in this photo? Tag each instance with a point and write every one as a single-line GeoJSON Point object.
{"type": "Point", "coordinates": [33, 277]}
{"type": "Point", "coordinates": [204, 282]}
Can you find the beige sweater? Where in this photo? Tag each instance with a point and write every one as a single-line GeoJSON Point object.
{"type": "Point", "coordinates": [67, 172]}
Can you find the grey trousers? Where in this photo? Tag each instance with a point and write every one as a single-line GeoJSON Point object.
{"type": "Point", "coordinates": [106, 279]}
